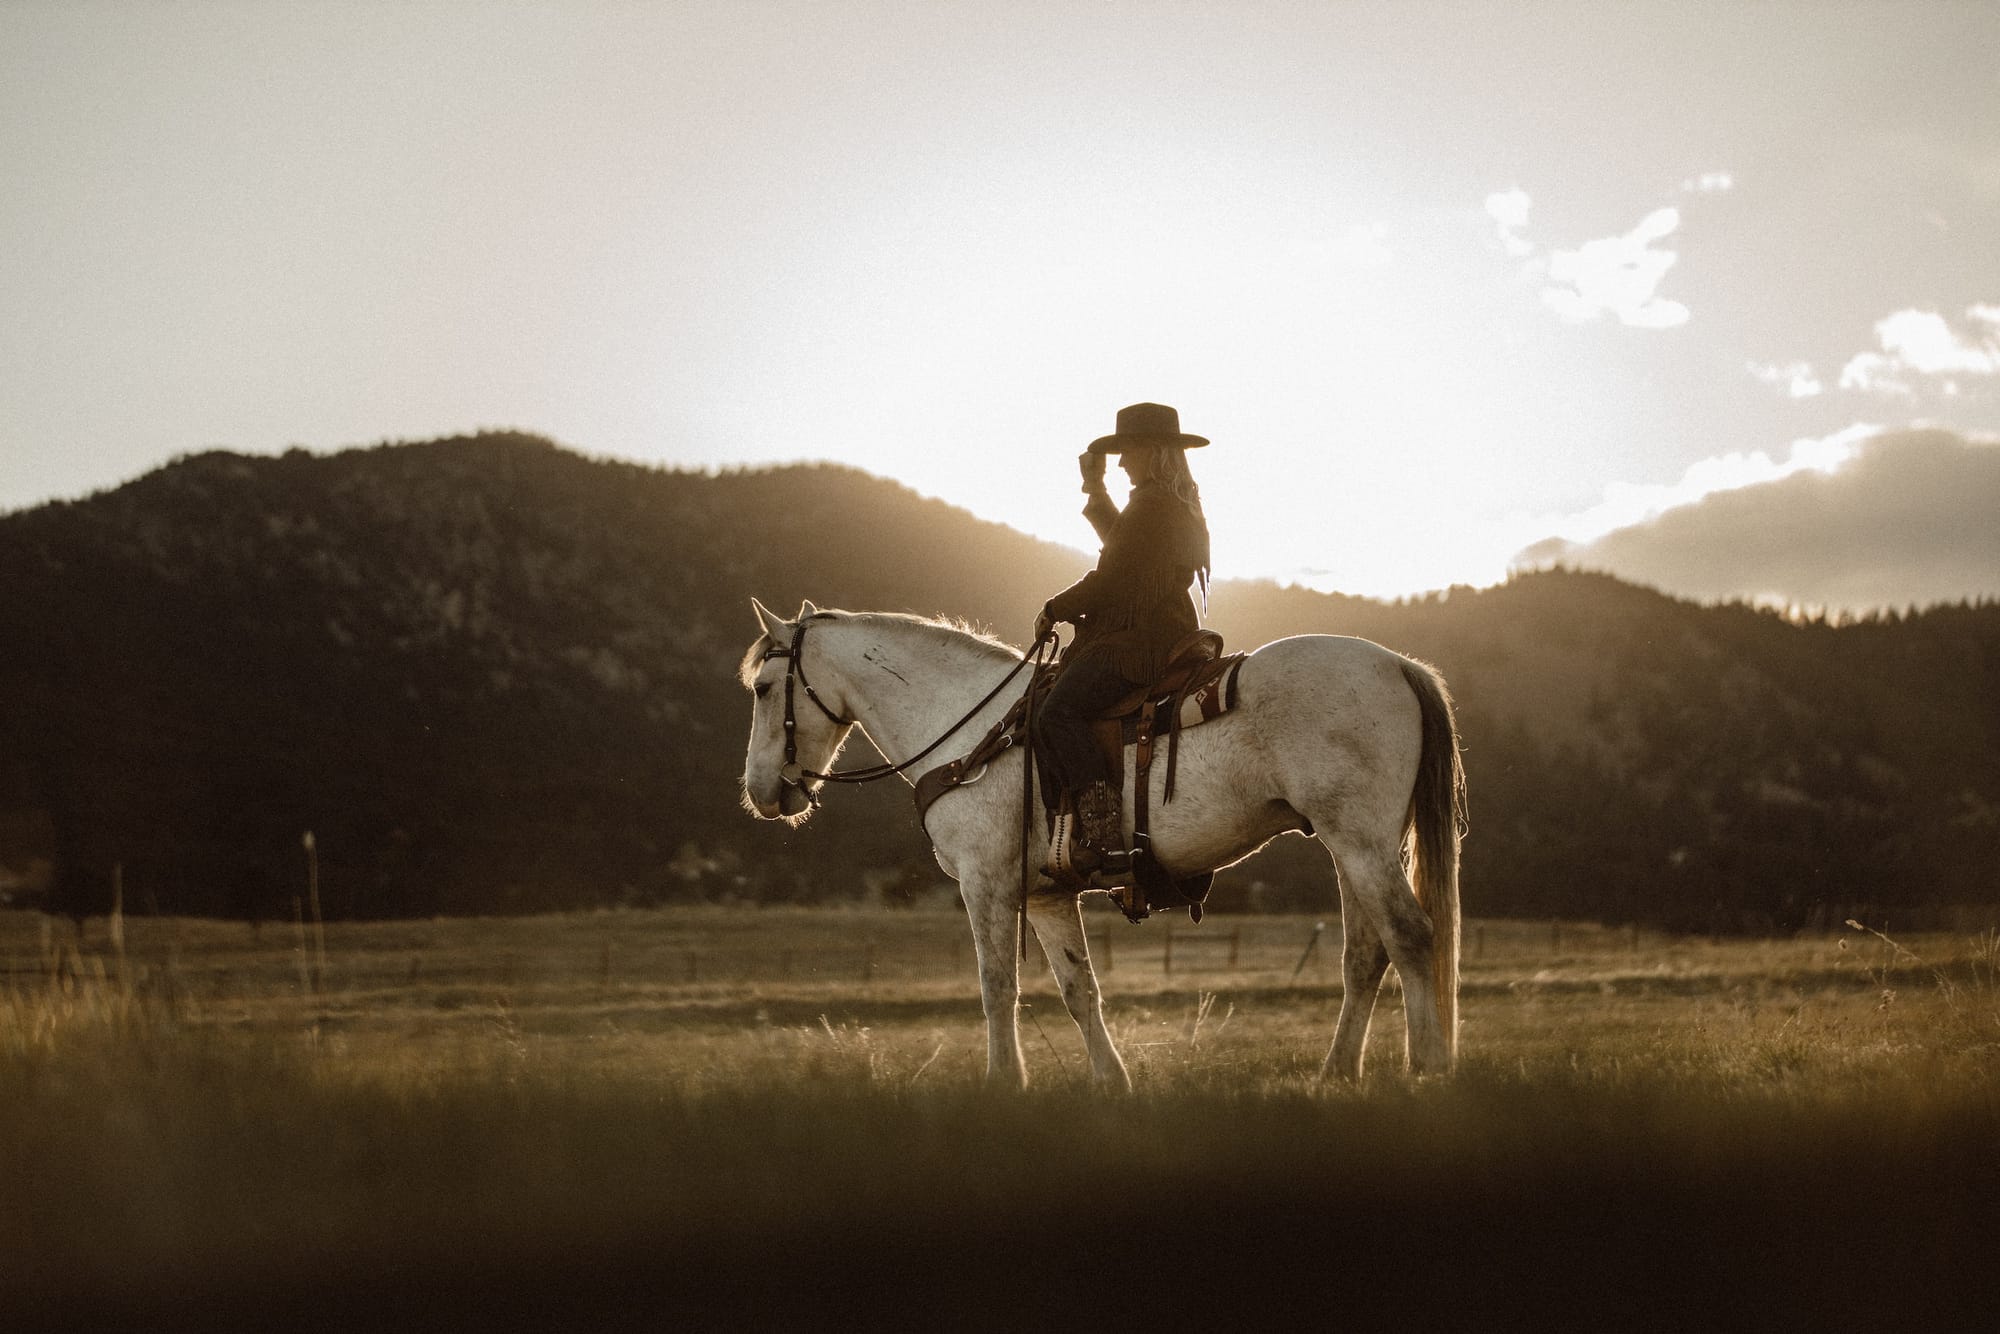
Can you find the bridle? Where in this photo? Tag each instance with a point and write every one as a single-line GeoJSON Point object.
{"type": "Point", "coordinates": [795, 775]}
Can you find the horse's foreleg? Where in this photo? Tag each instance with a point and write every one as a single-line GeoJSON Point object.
{"type": "Point", "coordinates": [993, 907]}
{"type": "Point", "coordinates": [1363, 961]}
{"type": "Point", "coordinates": [1371, 875]}
{"type": "Point", "coordinates": [1058, 921]}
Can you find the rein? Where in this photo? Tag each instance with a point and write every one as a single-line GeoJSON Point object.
{"type": "Point", "coordinates": [795, 775]}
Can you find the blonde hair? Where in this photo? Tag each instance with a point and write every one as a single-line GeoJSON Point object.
{"type": "Point", "coordinates": [1168, 465]}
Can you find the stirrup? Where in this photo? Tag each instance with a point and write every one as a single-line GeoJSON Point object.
{"type": "Point", "coordinates": [1131, 900]}
{"type": "Point", "coordinates": [1114, 872]}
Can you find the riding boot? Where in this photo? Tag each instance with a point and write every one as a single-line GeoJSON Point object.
{"type": "Point", "coordinates": [1101, 828]}
{"type": "Point", "coordinates": [1071, 857]}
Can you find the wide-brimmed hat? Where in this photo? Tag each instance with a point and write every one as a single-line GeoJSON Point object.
{"type": "Point", "coordinates": [1146, 424]}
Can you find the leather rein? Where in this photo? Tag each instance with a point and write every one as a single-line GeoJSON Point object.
{"type": "Point", "coordinates": [797, 776]}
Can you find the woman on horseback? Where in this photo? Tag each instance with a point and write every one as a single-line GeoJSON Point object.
{"type": "Point", "coordinates": [1130, 612]}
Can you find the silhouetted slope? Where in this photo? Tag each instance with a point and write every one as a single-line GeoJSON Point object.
{"type": "Point", "coordinates": [1634, 756]}
{"type": "Point", "coordinates": [488, 673]}
{"type": "Point", "coordinates": [494, 675]}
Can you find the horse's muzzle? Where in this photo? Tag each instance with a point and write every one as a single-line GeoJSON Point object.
{"type": "Point", "coordinates": [789, 800]}
{"type": "Point", "coordinates": [797, 798]}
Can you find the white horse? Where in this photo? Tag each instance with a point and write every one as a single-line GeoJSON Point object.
{"type": "Point", "coordinates": [1335, 736]}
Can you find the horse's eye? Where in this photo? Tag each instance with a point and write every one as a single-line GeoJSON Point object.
{"type": "Point", "coordinates": [763, 689]}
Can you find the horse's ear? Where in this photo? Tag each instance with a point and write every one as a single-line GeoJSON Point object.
{"type": "Point", "coordinates": [774, 624]}
{"type": "Point", "coordinates": [806, 609]}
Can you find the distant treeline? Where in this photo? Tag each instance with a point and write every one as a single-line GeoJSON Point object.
{"type": "Point", "coordinates": [494, 676]}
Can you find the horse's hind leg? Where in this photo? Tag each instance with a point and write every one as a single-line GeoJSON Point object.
{"type": "Point", "coordinates": [1363, 961]}
{"type": "Point", "coordinates": [991, 904]}
{"type": "Point", "coordinates": [1372, 879]}
{"type": "Point", "coordinates": [1058, 922]}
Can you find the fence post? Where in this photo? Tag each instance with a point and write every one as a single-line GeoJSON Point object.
{"type": "Point", "coordinates": [1107, 950]}
{"type": "Point", "coordinates": [1167, 956]}
{"type": "Point", "coordinates": [1312, 943]}
{"type": "Point", "coordinates": [1235, 942]}
{"type": "Point", "coordinates": [299, 933]}
{"type": "Point", "coordinates": [311, 845]}
{"type": "Point", "coordinates": [118, 918]}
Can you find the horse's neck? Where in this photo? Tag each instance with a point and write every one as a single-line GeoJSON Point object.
{"type": "Point", "coordinates": [907, 684]}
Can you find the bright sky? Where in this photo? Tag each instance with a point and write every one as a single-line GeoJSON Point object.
{"type": "Point", "coordinates": [1440, 281]}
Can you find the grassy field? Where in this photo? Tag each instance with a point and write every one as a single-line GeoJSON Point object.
{"type": "Point", "coordinates": [743, 1118]}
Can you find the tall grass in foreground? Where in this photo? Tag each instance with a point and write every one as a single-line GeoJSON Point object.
{"type": "Point", "coordinates": [1786, 1135]}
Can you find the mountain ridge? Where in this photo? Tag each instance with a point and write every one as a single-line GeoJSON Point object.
{"type": "Point", "coordinates": [492, 674]}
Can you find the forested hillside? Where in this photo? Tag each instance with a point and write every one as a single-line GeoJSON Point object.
{"type": "Point", "coordinates": [493, 675]}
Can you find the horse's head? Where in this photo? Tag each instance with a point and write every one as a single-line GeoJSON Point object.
{"type": "Point", "coordinates": [774, 783]}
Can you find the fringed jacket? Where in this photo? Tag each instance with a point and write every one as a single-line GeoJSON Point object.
{"type": "Point", "coordinates": [1136, 605]}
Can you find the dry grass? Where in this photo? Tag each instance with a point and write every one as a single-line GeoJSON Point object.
{"type": "Point", "coordinates": [725, 1111]}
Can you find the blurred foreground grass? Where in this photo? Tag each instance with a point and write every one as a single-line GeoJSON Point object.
{"type": "Point", "coordinates": [717, 1118]}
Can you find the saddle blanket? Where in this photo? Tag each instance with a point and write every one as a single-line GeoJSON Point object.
{"type": "Point", "coordinates": [1201, 703]}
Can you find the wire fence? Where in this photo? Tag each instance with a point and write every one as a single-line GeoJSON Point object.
{"type": "Point", "coordinates": [715, 948]}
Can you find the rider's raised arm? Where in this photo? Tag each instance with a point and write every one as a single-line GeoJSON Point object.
{"type": "Point", "coordinates": [1102, 511]}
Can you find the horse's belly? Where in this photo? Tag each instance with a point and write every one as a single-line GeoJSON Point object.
{"type": "Point", "coordinates": [1224, 806]}
{"type": "Point", "coordinates": [1324, 725]}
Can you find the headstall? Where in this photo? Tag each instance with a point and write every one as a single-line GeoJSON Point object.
{"type": "Point", "coordinates": [796, 775]}
{"type": "Point", "coordinates": [793, 775]}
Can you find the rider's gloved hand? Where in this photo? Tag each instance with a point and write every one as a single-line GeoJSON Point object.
{"type": "Point", "coordinates": [1091, 464]}
{"type": "Point", "coordinates": [1044, 625]}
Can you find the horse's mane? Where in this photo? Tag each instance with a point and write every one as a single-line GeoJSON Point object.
{"type": "Point", "coordinates": [753, 661]}
{"type": "Point", "coordinates": [955, 625]}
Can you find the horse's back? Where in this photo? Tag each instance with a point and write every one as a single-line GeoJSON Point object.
{"type": "Point", "coordinates": [1326, 732]}
{"type": "Point", "coordinates": [1335, 711]}
{"type": "Point", "coordinates": [1355, 671]}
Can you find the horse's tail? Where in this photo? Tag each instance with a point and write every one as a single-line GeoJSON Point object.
{"type": "Point", "coordinates": [1431, 834]}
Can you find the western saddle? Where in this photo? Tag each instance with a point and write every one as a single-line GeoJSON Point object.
{"type": "Point", "coordinates": [1198, 685]}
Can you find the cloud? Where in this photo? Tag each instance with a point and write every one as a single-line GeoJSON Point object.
{"type": "Point", "coordinates": [1628, 503]}
{"type": "Point", "coordinates": [1798, 377]}
{"type": "Point", "coordinates": [1708, 183]}
{"type": "Point", "coordinates": [1856, 521]}
{"type": "Point", "coordinates": [1509, 211]}
{"type": "Point", "coordinates": [1874, 373]}
{"type": "Point", "coordinates": [1618, 275]}
{"type": "Point", "coordinates": [1923, 343]}
{"type": "Point", "coordinates": [1921, 340]}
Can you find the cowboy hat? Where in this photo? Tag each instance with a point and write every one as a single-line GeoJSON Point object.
{"type": "Point", "coordinates": [1146, 424]}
